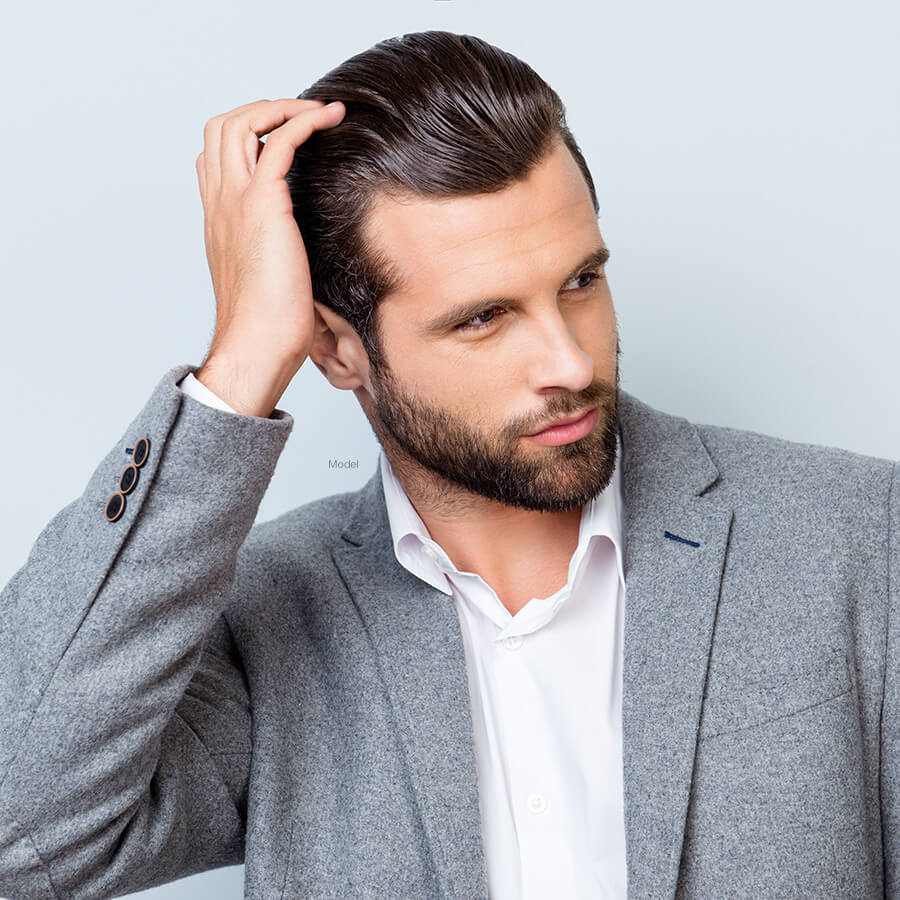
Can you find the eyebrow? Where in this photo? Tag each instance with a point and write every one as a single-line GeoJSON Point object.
{"type": "Point", "coordinates": [462, 312]}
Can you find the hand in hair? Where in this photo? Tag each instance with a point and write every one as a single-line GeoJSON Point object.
{"type": "Point", "coordinates": [257, 259]}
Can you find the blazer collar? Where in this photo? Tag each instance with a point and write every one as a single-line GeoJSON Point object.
{"type": "Point", "coordinates": [676, 535]}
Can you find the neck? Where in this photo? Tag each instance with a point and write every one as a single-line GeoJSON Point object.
{"type": "Point", "coordinates": [517, 551]}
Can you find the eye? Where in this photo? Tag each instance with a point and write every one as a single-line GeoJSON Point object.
{"type": "Point", "coordinates": [488, 316]}
{"type": "Point", "coordinates": [478, 326]}
{"type": "Point", "coordinates": [593, 275]}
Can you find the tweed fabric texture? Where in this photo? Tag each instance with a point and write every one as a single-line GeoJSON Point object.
{"type": "Point", "coordinates": [183, 690]}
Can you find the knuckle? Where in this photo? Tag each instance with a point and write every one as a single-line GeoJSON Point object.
{"type": "Point", "coordinates": [230, 124]}
{"type": "Point", "coordinates": [249, 200]}
{"type": "Point", "coordinates": [212, 126]}
{"type": "Point", "coordinates": [252, 204]}
{"type": "Point", "coordinates": [277, 137]}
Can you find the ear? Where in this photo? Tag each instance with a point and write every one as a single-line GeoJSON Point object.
{"type": "Point", "coordinates": [338, 352]}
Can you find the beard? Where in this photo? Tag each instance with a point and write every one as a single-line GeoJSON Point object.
{"type": "Point", "coordinates": [496, 465]}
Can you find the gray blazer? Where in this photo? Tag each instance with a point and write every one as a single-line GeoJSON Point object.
{"type": "Point", "coordinates": [180, 690]}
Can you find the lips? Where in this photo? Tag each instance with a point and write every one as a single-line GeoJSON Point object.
{"type": "Point", "coordinates": [566, 420]}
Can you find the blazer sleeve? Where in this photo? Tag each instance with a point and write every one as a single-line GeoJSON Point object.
{"type": "Point", "coordinates": [124, 716]}
{"type": "Point", "coordinates": [890, 716]}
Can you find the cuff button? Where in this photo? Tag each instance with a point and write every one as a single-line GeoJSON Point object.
{"type": "Point", "coordinates": [115, 506]}
{"type": "Point", "coordinates": [141, 451]}
{"type": "Point", "coordinates": [128, 479]}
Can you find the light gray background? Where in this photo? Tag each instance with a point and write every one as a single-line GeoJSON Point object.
{"type": "Point", "coordinates": [745, 156]}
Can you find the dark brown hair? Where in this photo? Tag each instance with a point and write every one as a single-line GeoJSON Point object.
{"type": "Point", "coordinates": [431, 113]}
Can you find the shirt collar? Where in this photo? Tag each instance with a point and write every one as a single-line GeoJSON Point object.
{"type": "Point", "coordinates": [419, 554]}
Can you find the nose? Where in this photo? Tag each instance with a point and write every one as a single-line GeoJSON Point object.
{"type": "Point", "coordinates": [558, 362]}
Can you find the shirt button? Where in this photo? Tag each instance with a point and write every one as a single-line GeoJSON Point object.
{"type": "Point", "coordinates": [513, 642]}
{"type": "Point", "coordinates": [537, 803]}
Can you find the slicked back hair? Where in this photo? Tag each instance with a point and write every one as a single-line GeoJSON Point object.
{"type": "Point", "coordinates": [431, 114]}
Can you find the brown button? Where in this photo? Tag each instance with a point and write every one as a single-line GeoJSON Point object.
{"type": "Point", "coordinates": [128, 479]}
{"type": "Point", "coordinates": [115, 506]}
{"type": "Point", "coordinates": [141, 451]}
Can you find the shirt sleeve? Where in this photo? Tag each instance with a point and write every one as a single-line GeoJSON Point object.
{"type": "Point", "coordinates": [199, 391]}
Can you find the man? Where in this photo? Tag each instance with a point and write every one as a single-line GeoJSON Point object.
{"type": "Point", "coordinates": [434, 686]}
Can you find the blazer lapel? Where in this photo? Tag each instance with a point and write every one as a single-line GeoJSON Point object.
{"type": "Point", "coordinates": [415, 634]}
{"type": "Point", "coordinates": [675, 544]}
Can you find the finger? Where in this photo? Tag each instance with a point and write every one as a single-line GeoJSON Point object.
{"type": "Point", "coordinates": [275, 161]}
{"type": "Point", "coordinates": [254, 148]}
{"type": "Point", "coordinates": [212, 136]}
{"type": "Point", "coordinates": [240, 132]}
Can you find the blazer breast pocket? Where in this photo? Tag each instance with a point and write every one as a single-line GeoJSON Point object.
{"type": "Point", "coordinates": [734, 703]}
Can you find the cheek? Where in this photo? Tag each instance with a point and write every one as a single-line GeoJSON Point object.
{"type": "Point", "coordinates": [463, 383]}
{"type": "Point", "coordinates": [478, 389]}
{"type": "Point", "coordinates": [598, 336]}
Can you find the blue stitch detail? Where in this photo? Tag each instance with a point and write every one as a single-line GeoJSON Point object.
{"type": "Point", "coordinates": [681, 540]}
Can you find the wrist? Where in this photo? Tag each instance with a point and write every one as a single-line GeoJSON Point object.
{"type": "Point", "coordinates": [247, 387]}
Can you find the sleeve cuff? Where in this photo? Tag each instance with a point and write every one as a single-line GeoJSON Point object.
{"type": "Point", "coordinates": [199, 391]}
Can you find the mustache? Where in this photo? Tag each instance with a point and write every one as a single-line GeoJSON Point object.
{"type": "Point", "coordinates": [598, 393]}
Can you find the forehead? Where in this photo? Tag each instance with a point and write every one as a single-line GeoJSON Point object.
{"type": "Point", "coordinates": [443, 250]}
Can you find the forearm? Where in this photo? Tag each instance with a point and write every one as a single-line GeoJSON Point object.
{"type": "Point", "coordinates": [102, 628]}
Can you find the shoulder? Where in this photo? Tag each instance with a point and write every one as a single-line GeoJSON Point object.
{"type": "Point", "coordinates": [780, 481]}
{"type": "Point", "coordinates": [750, 452]}
{"type": "Point", "coordinates": [736, 460]}
{"type": "Point", "coordinates": [765, 464]}
{"type": "Point", "coordinates": [302, 536]}
{"type": "Point", "coordinates": [822, 500]}
{"type": "Point", "coordinates": [285, 571]}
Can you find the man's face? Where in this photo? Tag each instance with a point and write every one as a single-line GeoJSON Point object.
{"type": "Point", "coordinates": [541, 342]}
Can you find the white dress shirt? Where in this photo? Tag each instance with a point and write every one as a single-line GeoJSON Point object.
{"type": "Point", "coordinates": [545, 687]}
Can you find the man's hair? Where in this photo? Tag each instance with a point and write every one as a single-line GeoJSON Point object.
{"type": "Point", "coordinates": [428, 114]}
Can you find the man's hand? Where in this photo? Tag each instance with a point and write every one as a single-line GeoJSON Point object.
{"type": "Point", "coordinates": [260, 272]}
